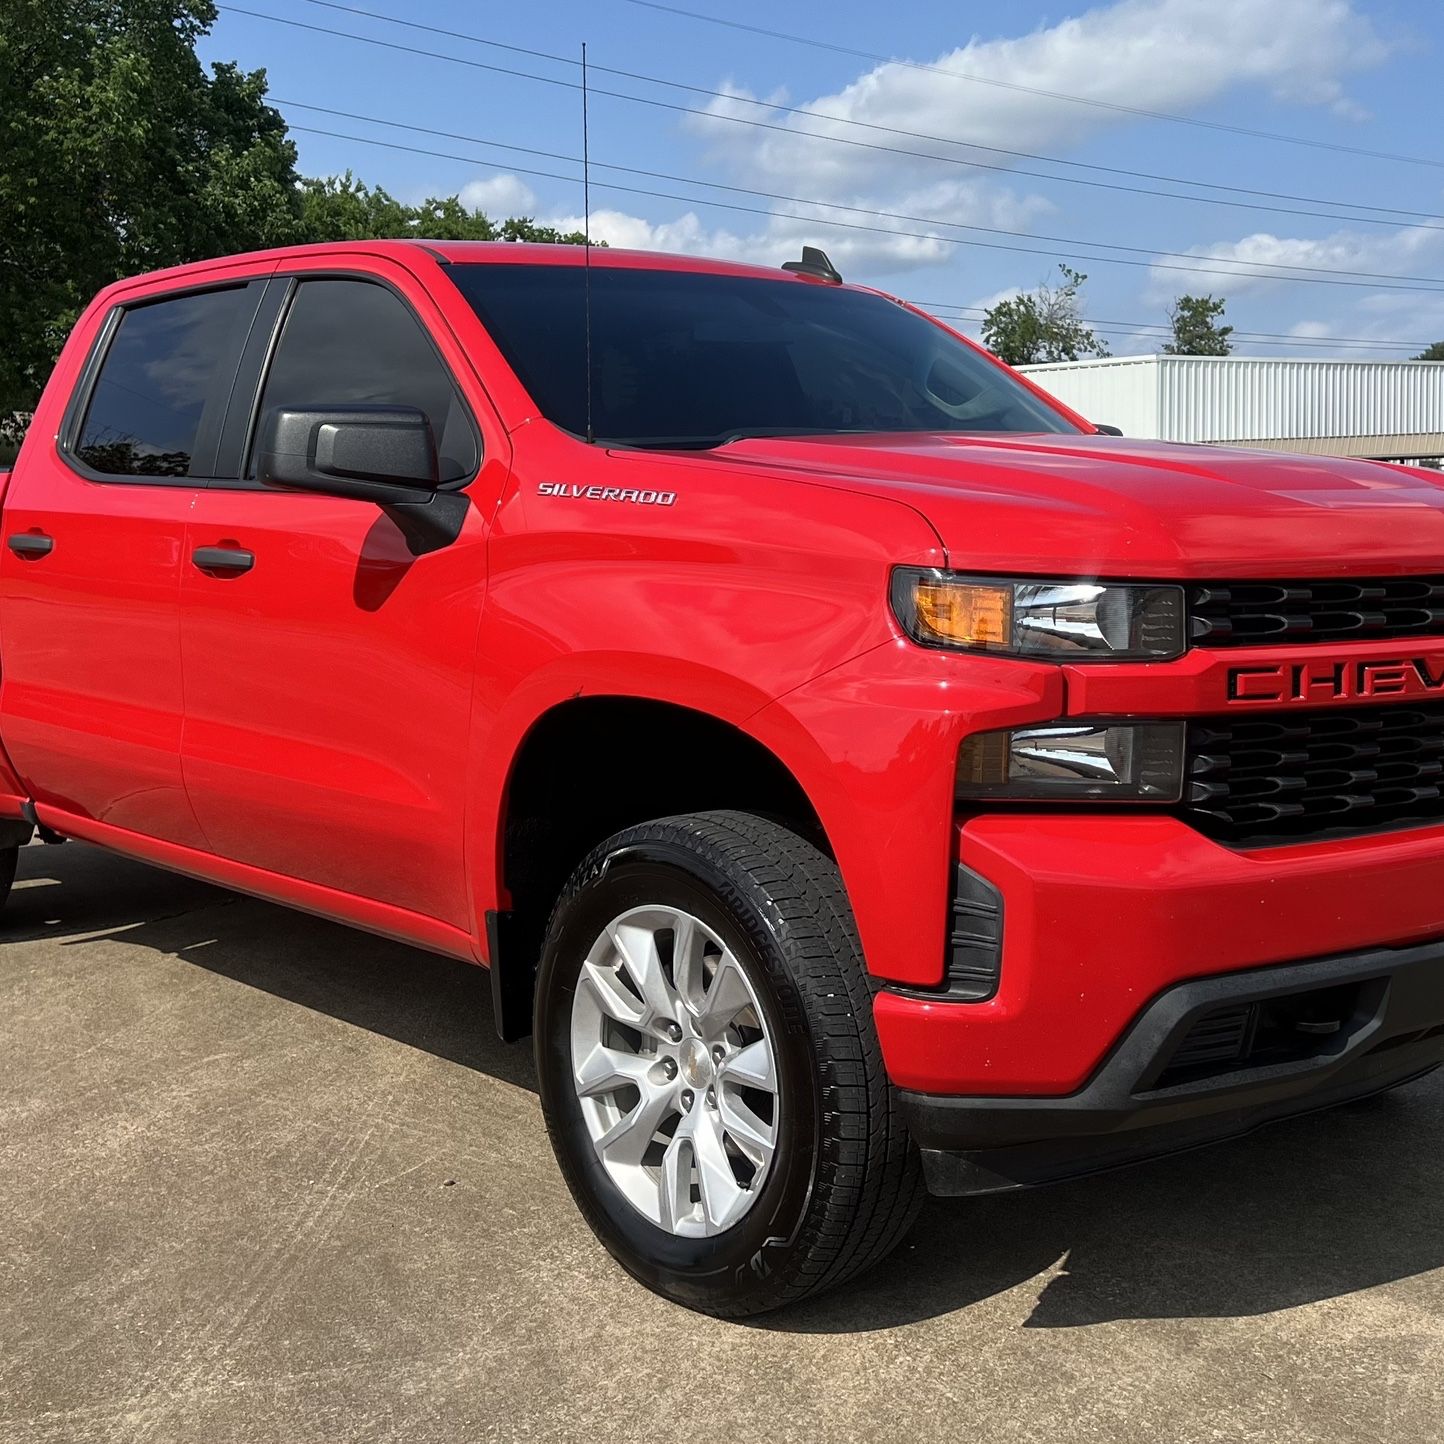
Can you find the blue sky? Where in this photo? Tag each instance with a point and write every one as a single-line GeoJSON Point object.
{"type": "Point", "coordinates": [1339, 73]}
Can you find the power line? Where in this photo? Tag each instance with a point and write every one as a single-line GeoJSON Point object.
{"type": "Point", "coordinates": [1151, 331]}
{"type": "Point", "coordinates": [1392, 211]}
{"type": "Point", "coordinates": [1134, 326]}
{"type": "Point", "coordinates": [1115, 328]}
{"type": "Point", "coordinates": [1433, 289]}
{"type": "Point", "coordinates": [877, 214]}
{"type": "Point", "coordinates": [793, 132]}
{"type": "Point", "coordinates": [1173, 118]}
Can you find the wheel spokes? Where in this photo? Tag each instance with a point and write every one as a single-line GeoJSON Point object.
{"type": "Point", "coordinates": [687, 970]}
{"type": "Point", "coordinates": [672, 1064]}
{"type": "Point", "coordinates": [675, 1185]}
{"type": "Point", "coordinates": [727, 996]}
{"type": "Point", "coordinates": [627, 1140]}
{"type": "Point", "coordinates": [755, 1138]}
{"type": "Point", "coordinates": [749, 1067]}
{"type": "Point", "coordinates": [637, 950]}
{"type": "Point", "coordinates": [604, 1070]}
{"type": "Point", "coordinates": [611, 995]}
{"type": "Point", "coordinates": [723, 1198]}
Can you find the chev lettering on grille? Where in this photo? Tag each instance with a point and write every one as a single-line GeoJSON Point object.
{"type": "Point", "coordinates": [607, 493]}
{"type": "Point", "coordinates": [1315, 682]}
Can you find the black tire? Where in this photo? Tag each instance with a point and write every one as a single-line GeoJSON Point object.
{"type": "Point", "coordinates": [845, 1184]}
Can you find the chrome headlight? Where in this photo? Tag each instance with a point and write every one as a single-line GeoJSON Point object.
{"type": "Point", "coordinates": [1066, 621]}
{"type": "Point", "coordinates": [1080, 761]}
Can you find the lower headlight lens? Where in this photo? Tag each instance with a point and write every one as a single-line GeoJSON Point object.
{"type": "Point", "coordinates": [1104, 762]}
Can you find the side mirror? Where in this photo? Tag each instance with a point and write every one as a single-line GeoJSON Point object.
{"type": "Point", "coordinates": [381, 454]}
{"type": "Point", "coordinates": [1106, 430]}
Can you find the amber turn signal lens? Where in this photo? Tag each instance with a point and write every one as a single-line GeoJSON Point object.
{"type": "Point", "coordinates": [966, 615]}
{"type": "Point", "coordinates": [1064, 620]}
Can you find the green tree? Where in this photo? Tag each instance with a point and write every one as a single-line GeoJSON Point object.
{"type": "Point", "coordinates": [1196, 329]}
{"type": "Point", "coordinates": [120, 155]}
{"type": "Point", "coordinates": [1042, 325]}
{"type": "Point", "coordinates": [523, 228]}
{"type": "Point", "coordinates": [1432, 353]}
{"type": "Point", "coordinates": [344, 208]}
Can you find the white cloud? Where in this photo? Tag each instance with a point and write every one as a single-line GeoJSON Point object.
{"type": "Point", "coordinates": [986, 303]}
{"type": "Point", "coordinates": [1150, 54]}
{"type": "Point", "coordinates": [1250, 260]}
{"type": "Point", "coordinates": [1173, 55]}
{"type": "Point", "coordinates": [780, 239]}
{"type": "Point", "coordinates": [499, 197]}
{"type": "Point", "coordinates": [861, 234]}
{"type": "Point", "coordinates": [1413, 321]}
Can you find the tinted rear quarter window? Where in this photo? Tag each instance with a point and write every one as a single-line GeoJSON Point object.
{"type": "Point", "coordinates": [353, 342]}
{"type": "Point", "coordinates": [163, 363]}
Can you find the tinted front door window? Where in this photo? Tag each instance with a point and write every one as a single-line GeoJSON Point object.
{"type": "Point", "coordinates": [349, 343]}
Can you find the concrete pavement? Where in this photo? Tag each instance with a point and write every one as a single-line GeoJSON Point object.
{"type": "Point", "coordinates": [266, 1179]}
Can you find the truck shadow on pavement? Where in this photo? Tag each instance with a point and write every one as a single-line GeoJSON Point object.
{"type": "Point", "coordinates": [75, 893]}
{"type": "Point", "coordinates": [1293, 1214]}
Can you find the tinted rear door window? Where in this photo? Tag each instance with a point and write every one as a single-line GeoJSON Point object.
{"type": "Point", "coordinates": [165, 363]}
{"type": "Point", "coordinates": [347, 343]}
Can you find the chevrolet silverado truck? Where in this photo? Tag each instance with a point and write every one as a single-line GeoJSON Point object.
{"type": "Point", "coordinates": [860, 774]}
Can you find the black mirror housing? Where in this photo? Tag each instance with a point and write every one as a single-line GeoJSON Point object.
{"type": "Point", "coordinates": [381, 454]}
{"type": "Point", "coordinates": [373, 453]}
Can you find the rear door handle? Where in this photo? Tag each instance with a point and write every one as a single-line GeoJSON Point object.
{"type": "Point", "coordinates": [225, 560]}
{"type": "Point", "coordinates": [30, 544]}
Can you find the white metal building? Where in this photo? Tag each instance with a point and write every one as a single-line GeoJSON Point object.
{"type": "Point", "coordinates": [1384, 409]}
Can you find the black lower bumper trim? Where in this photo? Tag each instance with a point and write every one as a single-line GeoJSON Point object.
{"type": "Point", "coordinates": [1132, 1109]}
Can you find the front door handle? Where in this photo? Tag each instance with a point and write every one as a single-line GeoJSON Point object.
{"type": "Point", "coordinates": [227, 561]}
{"type": "Point", "coordinates": [30, 544]}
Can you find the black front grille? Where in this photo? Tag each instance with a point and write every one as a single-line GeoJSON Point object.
{"type": "Point", "coordinates": [1254, 614]}
{"type": "Point", "coordinates": [1290, 776]}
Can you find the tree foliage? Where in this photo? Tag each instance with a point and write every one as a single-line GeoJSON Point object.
{"type": "Point", "coordinates": [342, 208]}
{"type": "Point", "coordinates": [122, 154]}
{"type": "Point", "coordinates": [1196, 328]}
{"type": "Point", "coordinates": [1042, 325]}
{"type": "Point", "coordinates": [1431, 353]}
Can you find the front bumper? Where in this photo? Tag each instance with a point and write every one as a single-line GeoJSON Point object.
{"type": "Point", "coordinates": [1336, 1029]}
{"type": "Point", "coordinates": [1102, 914]}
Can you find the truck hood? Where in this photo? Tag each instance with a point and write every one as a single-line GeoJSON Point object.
{"type": "Point", "coordinates": [1101, 506]}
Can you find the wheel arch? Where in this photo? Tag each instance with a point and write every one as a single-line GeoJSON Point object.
{"type": "Point", "coordinates": [586, 767]}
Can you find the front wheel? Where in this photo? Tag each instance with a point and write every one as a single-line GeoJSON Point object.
{"type": "Point", "coordinates": [708, 1068]}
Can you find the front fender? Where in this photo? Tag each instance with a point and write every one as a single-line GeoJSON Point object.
{"type": "Point", "coordinates": [739, 588]}
{"type": "Point", "coordinates": [874, 744]}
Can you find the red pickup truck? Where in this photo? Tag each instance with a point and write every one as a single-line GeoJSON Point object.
{"type": "Point", "coordinates": [858, 772]}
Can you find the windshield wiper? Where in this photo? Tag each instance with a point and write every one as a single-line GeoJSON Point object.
{"type": "Point", "coordinates": [725, 438]}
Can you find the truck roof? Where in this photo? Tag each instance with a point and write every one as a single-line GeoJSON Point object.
{"type": "Point", "coordinates": [533, 254]}
{"type": "Point", "coordinates": [494, 253]}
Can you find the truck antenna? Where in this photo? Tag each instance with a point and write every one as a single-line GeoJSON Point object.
{"type": "Point", "coordinates": [587, 243]}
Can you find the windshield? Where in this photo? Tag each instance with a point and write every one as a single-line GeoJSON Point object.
{"type": "Point", "coordinates": [686, 359]}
